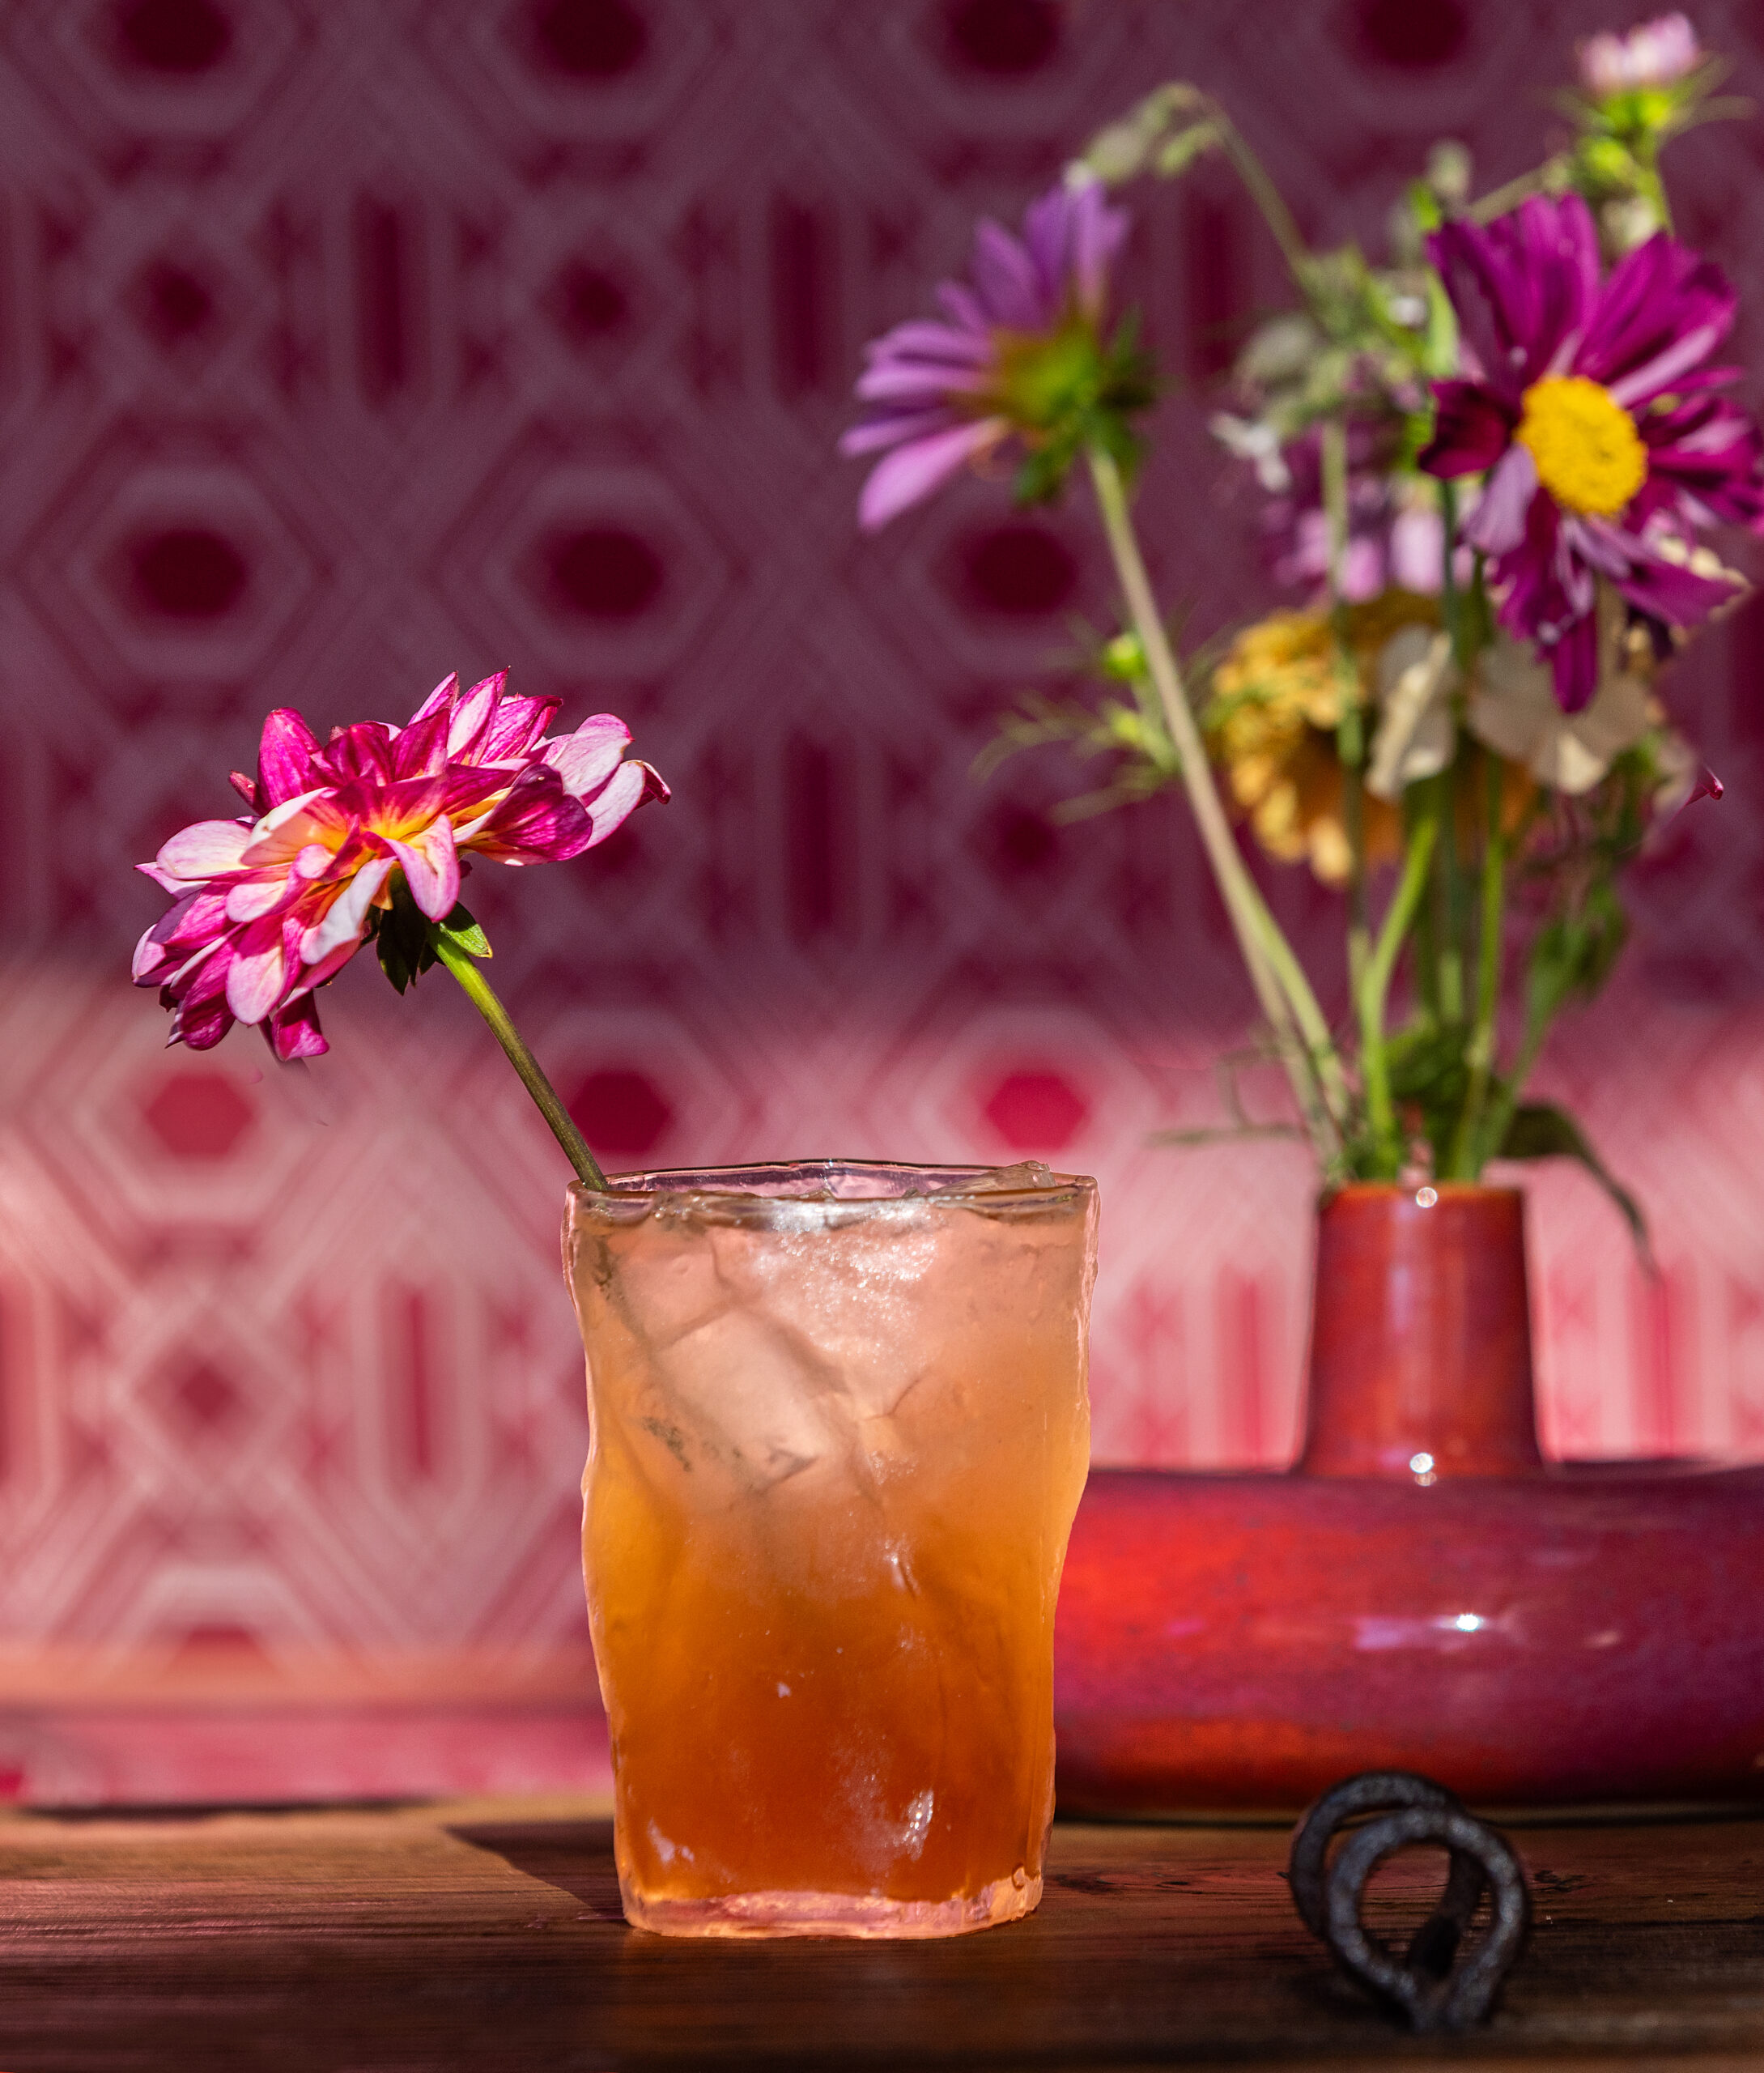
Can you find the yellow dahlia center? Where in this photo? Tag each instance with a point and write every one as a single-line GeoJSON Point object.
{"type": "Point", "coordinates": [1589, 455]}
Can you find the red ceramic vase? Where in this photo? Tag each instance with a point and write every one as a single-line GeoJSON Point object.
{"type": "Point", "coordinates": [1421, 1335]}
{"type": "Point", "coordinates": [1422, 1591]}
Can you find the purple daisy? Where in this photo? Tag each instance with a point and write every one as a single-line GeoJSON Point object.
{"type": "Point", "coordinates": [1587, 404]}
{"type": "Point", "coordinates": [1019, 351]}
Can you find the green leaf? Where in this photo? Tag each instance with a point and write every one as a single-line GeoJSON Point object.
{"type": "Point", "coordinates": [1426, 1070]}
{"type": "Point", "coordinates": [401, 937]}
{"type": "Point", "coordinates": [463, 933]}
{"type": "Point", "coordinates": [1573, 954]}
{"type": "Point", "coordinates": [1539, 1130]}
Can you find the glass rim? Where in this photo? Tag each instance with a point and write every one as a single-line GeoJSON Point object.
{"type": "Point", "coordinates": [775, 1187]}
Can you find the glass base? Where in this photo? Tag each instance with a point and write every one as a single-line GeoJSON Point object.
{"type": "Point", "coordinates": [834, 1914]}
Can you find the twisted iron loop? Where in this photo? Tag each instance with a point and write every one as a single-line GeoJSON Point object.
{"type": "Point", "coordinates": [1411, 1810]}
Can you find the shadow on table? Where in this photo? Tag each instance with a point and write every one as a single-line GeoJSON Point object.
{"type": "Point", "coordinates": [577, 1856]}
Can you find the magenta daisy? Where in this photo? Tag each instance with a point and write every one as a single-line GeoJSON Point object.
{"type": "Point", "coordinates": [1587, 404]}
{"type": "Point", "coordinates": [271, 906]}
{"type": "Point", "coordinates": [1019, 354]}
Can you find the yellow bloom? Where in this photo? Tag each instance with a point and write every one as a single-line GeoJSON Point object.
{"type": "Point", "coordinates": [1278, 697]}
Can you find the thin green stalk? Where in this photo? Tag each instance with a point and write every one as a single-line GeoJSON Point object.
{"type": "Point", "coordinates": [1375, 989]}
{"type": "Point", "coordinates": [1500, 1114]}
{"type": "Point", "coordinates": [1450, 609]}
{"type": "Point", "coordinates": [1466, 1148]}
{"type": "Point", "coordinates": [1265, 195]}
{"type": "Point", "coordinates": [1420, 803]}
{"type": "Point", "coordinates": [1450, 919]}
{"type": "Point", "coordinates": [464, 969]}
{"type": "Point", "coordinates": [1281, 985]}
{"type": "Point", "coordinates": [1351, 732]}
{"type": "Point", "coordinates": [1499, 200]}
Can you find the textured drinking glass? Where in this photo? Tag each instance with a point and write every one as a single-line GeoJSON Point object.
{"type": "Point", "coordinates": [840, 1430]}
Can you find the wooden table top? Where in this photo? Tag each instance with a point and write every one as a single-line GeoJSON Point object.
{"type": "Point", "coordinates": [487, 1934]}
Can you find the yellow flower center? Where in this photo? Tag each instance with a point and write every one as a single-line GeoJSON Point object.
{"type": "Point", "coordinates": [1589, 455]}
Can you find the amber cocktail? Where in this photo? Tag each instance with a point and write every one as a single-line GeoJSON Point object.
{"type": "Point", "coordinates": [840, 1428]}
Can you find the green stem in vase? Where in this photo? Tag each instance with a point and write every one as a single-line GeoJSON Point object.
{"type": "Point", "coordinates": [1374, 990]}
{"type": "Point", "coordinates": [1282, 988]}
{"type": "Point", "coordinates": [477, 991]}
{"type": "Point", "coordinates": [1350, 730]}
{"type": "Point", "coordinates": [1467, 1149]}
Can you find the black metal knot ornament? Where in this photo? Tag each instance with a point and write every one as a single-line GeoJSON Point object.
{"type": "Point", "coordinates": [1426, 1983]}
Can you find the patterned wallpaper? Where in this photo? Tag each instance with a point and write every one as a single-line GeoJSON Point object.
{"type": "Point", "coordinates": [345, 341]}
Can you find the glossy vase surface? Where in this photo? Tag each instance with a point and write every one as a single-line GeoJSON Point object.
{"type": "Point", "coordinates": [1422, 1591]}
{"type": "Point", "coordinates": [1421, 1336]}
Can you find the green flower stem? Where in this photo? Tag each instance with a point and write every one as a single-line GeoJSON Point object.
{"type": "Point", "coordinates": [1448, 902]}
{"type": "Point", "coordinates": [1467, 1149]}
{"type": "Point", "coordinates": [1265, 195]}
{"type": "Point", "coordinates": [477, 991]}
{"type": "Point", "coordinates": [1279, 980]}
{"type": "Point", "coordinates": [1374, 988]}
{"type": "Point", "coordinates": [1350, 733]}
{"type": "Point", "coordinates": [1550, 178]}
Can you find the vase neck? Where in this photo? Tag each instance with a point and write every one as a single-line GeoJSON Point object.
{"type": "Point", "coordinates": [1420, 1365]}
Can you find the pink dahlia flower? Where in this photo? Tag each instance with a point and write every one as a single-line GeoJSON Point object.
{"type": "Point", "coordinates": [1019, 354]}
{"type": "Point", "coordinates": [271, 906]}
{"type": "Point", "coordinates": [1587, 404]}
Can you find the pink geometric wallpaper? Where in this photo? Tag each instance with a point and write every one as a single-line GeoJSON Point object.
{"type": "Point", "coordinates": [343, 343]}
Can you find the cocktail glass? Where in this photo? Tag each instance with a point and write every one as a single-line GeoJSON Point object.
{"type": "Point", "coordinates": [841, 1427]}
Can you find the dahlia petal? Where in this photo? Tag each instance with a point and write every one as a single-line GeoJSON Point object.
{"type": "Point", "coordinates": [431, 867]}
{"type": "Point", "coordinates": [258, 971]}
{"type": "Point", "coordinates": [1471, 430]}
{"type": "Point", "coordinates": [346, 920]}
{"type": "Point", "coordinates": [519, 723]}
{"type": "Point", "coordinates": [441, 700]}
{"type": "Point", "coordinates": [912, 472]}
{"type": "Point", "coordinates": [252, 898]}
{"type": "Point", "coordinates": [204, 849]}
{"type": "Point", "coordinates": [361, 754]}
{"type": "Point", "coordinates": [420, 751]}
{"type": "Point", "coordinates": [197, 919]}
{"type": "Point", "coordinates": [287, 829]}
{"type": "Point", "coordinates": [471, 716]}
{"type": "Point", "coordinates": [294, 1032]}
{"type": "Point", "coordinates": [538, 821]}
{"type": "Point", "coordinates": [203, 973]}
{"type": "Point", "coordinates": [249, 790]}
{"type": "Point", "coordinates": [589, 756]}
{"type": "Point", "coordinates": [617, 801]}
{"type": "Point", "coordinates": [200, 1025]}
{"type": "Point", "coordinates": [285, 753]}
{"type": "Point", "coordinates": [1497, 523]}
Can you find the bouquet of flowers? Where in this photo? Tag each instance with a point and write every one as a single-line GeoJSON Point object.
{"type": "Point", "coordinates": [1493, 466]}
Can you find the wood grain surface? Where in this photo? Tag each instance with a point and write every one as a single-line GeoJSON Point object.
{"type": "Point", "coordinates": [487, 1934]}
